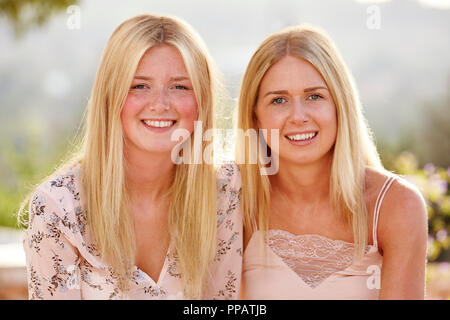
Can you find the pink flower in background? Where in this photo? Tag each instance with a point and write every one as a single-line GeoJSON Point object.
{"type": "Point", "coordinates": [429, 168]}
{"type": "Point", "coordinates": [441, 235]}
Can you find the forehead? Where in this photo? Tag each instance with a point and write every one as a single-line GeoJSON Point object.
{"type": "Point", "coordinates": [291, 73]}
{"type": "Point", "coordinates": [162, 57]}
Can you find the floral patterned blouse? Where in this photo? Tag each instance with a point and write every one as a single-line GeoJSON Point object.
{"type": "Point", "coordinates": [63, 263]}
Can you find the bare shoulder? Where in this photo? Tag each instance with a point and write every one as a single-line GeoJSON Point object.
{"type": "Point", "coordinates": [403, 211]}
{"type": "Point", "coordinates": [374, 181]}
{"type": "Point", "coordinates": [401, 193]}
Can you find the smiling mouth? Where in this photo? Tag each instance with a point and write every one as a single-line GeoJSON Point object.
{"type": "Point", "coordinates": [159, 123]}
{"type": "Point", "coordinates": [302, 136]}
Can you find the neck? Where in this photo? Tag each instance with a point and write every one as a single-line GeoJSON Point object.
{"type": "Point", "coordinates": [309, 183]}
{"type": "Point", "coordinates": [148, 175]}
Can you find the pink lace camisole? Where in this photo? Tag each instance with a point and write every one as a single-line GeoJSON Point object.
{"type": "Point", "coordinates": [310, 266]}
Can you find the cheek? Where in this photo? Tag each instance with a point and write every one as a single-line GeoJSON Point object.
{"type": "Point", "coordinates": [186, 108]}
{"type": "Point", "coordinates": [267, 118]}
{"type": "Point", "coordinates": [329, 121]}
{"type": "Point", "coordinates": [129, 113]}
{"type": "Point", "coordinates": [273, 122]}
{"type": "Point", "coordinates": [131, 107]}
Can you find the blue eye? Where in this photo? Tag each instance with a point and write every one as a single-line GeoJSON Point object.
{"type": "Point", "coordinates": [315, 97]}
{"type": "Point", "coordinates": [180, 87]}
{"type": "Point", "coordinates": [278, 100]}
{"type": "Point", "coordinates": [139, 86]}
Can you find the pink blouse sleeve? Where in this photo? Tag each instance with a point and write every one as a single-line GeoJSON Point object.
{"type": "Point", "coordinates": [51, 259]}
{"type": "Point", "coordinates": [227, 266]}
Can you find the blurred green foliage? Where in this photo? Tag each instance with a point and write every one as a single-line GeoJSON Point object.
{"type": "Point", "coordinates": [26, 14]}
{"type": "Point", "coordinates": [24, 163]}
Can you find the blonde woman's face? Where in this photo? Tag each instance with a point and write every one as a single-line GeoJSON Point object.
{"type": "Point", "coordinates": [294, 99]}
{"type": "Point", "coordinates": [160, 100]}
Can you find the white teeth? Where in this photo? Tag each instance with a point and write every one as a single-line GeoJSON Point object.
{"type": "Point", "coordinates": [159, 124]}
{"type": "Point", "coordinates": [303, 136]}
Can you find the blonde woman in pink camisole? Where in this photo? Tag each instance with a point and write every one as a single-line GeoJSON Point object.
{"type": "Point", "coordinates": [331, 222]}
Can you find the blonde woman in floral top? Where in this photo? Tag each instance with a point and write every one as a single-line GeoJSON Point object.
{"type": "Point", "coordinates": [122, 220]}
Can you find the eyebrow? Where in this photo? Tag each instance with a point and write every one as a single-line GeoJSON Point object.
{"type": "Point", "coordinates": [314, 88]}
{"type": "Point", "coordinates": [276, 92]}
{"type": "Point", "coordinates": [286, 92]}
{"type": "Point", "coordinates": [179, 78]}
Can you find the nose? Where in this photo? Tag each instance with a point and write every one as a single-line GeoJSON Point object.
{"type": "Point", "coordinates": [299, 112]}
{"type": "Point", "coordinates": [160, 101]}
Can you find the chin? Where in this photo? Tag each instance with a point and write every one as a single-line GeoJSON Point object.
{"type": "Point", "coordinates": [160, 148]}
{"type": "Point", "coordinates": [299, 159]}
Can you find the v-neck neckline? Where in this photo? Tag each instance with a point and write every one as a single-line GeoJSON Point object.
{"type": "Point", "coordinates": [162, 272]}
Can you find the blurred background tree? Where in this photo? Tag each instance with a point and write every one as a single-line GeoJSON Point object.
{"type": "Point", "coordinates": [428, 139]}
{"type": "Point", "coordinates": [435, 135]}
{"type": "Point", "coordinates": [26, 14]}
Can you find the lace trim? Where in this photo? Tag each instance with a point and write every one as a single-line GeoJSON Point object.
{"type": "Point", "coordinates": [312, 257]}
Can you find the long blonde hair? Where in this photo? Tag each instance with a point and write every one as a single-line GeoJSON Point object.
{"type": "Point", "coordinates": [192, 210]}
{"type": "Point", "coordinates": [354, 147]}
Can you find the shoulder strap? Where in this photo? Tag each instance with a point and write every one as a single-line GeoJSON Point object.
{"type": "Point", "coordinates": [387, 184]}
